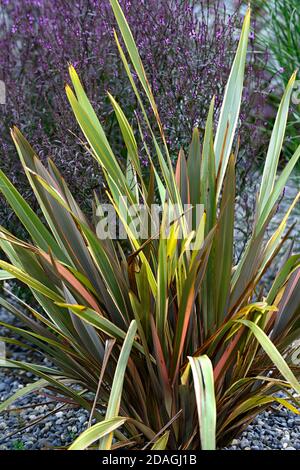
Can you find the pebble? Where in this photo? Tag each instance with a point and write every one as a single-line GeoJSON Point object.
{"type": "Point", "coordinates": [244, 443]}
{"type": "Point", "coordinates": [32, 417]}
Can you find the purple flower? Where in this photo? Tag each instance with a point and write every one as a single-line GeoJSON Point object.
{"type": "Point", "coordinates": [184, 62]}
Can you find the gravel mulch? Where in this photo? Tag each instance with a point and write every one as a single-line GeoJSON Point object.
{"type": "Point", "coordinates": [32, 422]}
{"type": "Point", "coordinates": [28, 424]}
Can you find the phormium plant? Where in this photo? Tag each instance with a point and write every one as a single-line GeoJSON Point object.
{"type": "Point", "coordinates": [169, 344]}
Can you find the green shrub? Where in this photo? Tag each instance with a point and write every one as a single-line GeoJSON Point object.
{"type": "Point", "coordinates": [280, 33]}
{"type": "Point", "coordinates": [178, 346]}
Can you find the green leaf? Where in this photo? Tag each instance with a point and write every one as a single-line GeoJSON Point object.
{"type": "Point", "coordinates": [273, 353]}
{"type": "Point", "coordinates": [282, 276]}
{"type": "Point", "coordinates": [208, 171]}
{"type": "Point", "coordinates": [278, 188]}
{"type": "Point", "coordinates": [111, 273]}
{"type": "Point", "coordinates": [95, 432]}
{"type": "Point", "coordinates": [132, 49]}
{"type": "Point", "coordinates": [114, 402]}
{"type": "Point", "coordinates": [275, 146]}
{"type": "Point", "coordinates": [10, 364]}
{"type": "Point", "coordinates": [85, 103]}
{"type": "Point", "coordinates": [224, 242]}
{"type": "Point", "coordinates": [162, 286]}
{"type": "Point", "coordinates": [97, 140]}
{"type": "Point", "coordinates": [161, 442]}
{"type": "Point", "coordinates": [30, 388]}
{"type": "Point", "coordinates": [206, 402]}
{"type": "Point", "coordinates": [40, 235]}
{"type": "Point", "coordinates": [30, 281]}
{"type": "Point", "coordinates": [231, 105]}
{"type": "Point", "coordinates": [30, 162]}
{"type": "Point", "coordinates": [49, 376]}
{"type": "Point", "coordinates": [256, 402]}
{"type": "Point", "coordinates": [98, 321]}
{"type": "Point", "coordinates": [4, 275]}
{"type": "Point", "coordinates": [166, 168]}
{"type": "Point", "coordinates": [128, 136]}
{"type": "Point", "coordinates": [193, 165]}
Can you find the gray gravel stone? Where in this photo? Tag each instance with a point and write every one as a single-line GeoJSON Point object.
{"type": "Point", "coordinates": [244, 443]}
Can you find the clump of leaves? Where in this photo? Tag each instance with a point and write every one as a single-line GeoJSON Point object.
{"type": "Point", "coordinates": [177, 345]}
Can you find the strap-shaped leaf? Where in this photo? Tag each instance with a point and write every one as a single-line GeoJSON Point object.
{"type": "Point", "coordinates": [292, 263]}
{"type": "Point", "coordinates": [161, 442]}
{"type": "Point", "coordinates": [95, 433]}
{"type": "Point", "coordinates": [33, 283]}
{"type": "Point", "coordinates": [4, 275]}
{"type": "Point", "coordinates": [132, 50]}
{"type": "Point", "coordinates": [254, 403]}
{"type": "Point", "coordinates": [30, 388]}
{"type": "Point", "coordinates": [205, 397]}
{"type": "Point", "coordinates": [51, 377]}
{"type": "Point", "coordinates": [275, 146]}
{"type": "Point", "coordinates": [273, 354]}
{"type": "Point", "coordinates": [40, 235]}
{"type": "Point", "coordinates": [231, 105]}
{"type": "Point", "coordinates": [128, 135]}
{"type": "Point", "coordinates": [114, 402]}
{"type": "Point", "coordinates": [193, 168]}
{"type": "Point", "coordinates": [278, 189]}
{"type": "Point", "coordinates": [166, 166]}
{"type": "Point", "coordinates": [99, 322]}
{"type": "Point", "coordinates": [85, 103]}
{"type": "Point", "coordinates": [224, 241]}
{"type": "Point", "coordinates": [98, 142]}
{"type": "Point", "coordinates": [29, 161]}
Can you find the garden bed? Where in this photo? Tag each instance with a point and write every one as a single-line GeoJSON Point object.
{"type": "Point", "coordinates": [37, 422]}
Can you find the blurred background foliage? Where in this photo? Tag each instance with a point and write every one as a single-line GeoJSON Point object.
{"type": "Point", "coordinates": [187, 48]}
{"type": "Point", "coordinates": [279, 32]}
